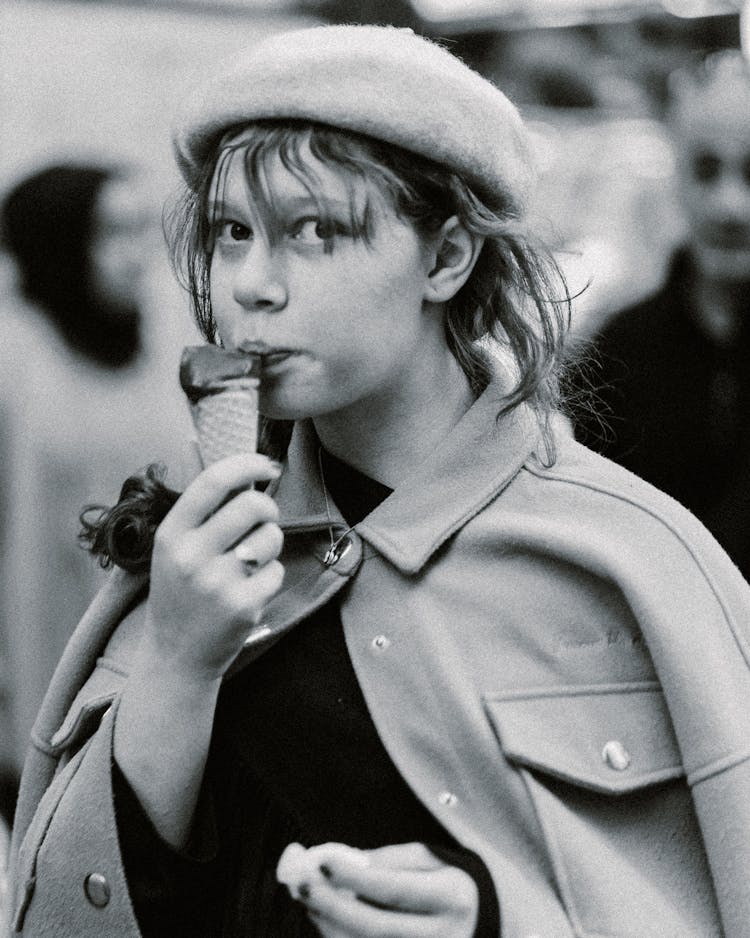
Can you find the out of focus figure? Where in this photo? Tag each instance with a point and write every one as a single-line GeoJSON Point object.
{"type": "Point", "coordinates": [673, 373]}
{"type": "Point", "coordinates": [74, 412]}
{"type": "Point", "coordinates": [76, 235]}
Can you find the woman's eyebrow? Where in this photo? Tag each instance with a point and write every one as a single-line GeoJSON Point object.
{"type": "Point", "coordinates": [221, 207]}
{"type": "Point", "coordinates": [300, 203]}
{"type": "Point", "coordinates": [285, 204]}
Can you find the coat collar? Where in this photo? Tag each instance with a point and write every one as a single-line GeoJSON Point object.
{"type": "Point", "coordinates": [478, 459]}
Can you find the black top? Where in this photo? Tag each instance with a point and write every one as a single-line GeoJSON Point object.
{"type": "Point", "coordinates": [674, 407]}
{"type": "Point", "coordinates": [295, 756]}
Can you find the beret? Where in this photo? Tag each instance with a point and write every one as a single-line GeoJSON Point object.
{"type": "Point", "coordinates": [386, 82]}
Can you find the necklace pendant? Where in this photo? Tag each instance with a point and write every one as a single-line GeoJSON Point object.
{"type": "Point", "coordinates": [336, 551]}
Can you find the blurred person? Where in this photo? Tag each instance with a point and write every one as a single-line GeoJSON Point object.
{"type": "Point", "coordinates": [76, 234]}
{"type": "Point", "coordinates": [435, 669]}
{"type": "Point", "coordinates": [73, 413]}
{"type": "Point", "coordinates": [673, 372]}
{"type": "Point", "coordinates": [652, 46]}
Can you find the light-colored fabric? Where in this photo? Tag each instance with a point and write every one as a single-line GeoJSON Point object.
{"type": "Point", "coordinates": [381, 81]}
{"type": "Point", "coordinates": [71, 431]}
{"type": "Point", "coordinates": [67, 779]}
{"type": "Point", "coordinates": [555, 659]}
{"type": "Point", "coordinates": [4, 855]}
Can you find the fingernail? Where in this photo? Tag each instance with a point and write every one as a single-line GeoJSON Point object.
{"type": "Point", "coordinates": [275, 465]}
{"type": "Point", "coordinates": [326, 871]}
{"type": "Point", "coordinates": [304, 890]}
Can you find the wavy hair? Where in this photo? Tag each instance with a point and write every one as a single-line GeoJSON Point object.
{"type": "Point", "coordinates": [515, 304]}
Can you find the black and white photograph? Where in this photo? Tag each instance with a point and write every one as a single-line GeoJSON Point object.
{"type": "Point", "coordinates": [375, 469]}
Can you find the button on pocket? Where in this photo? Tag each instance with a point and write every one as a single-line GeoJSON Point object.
{"type": "Point", "coordinates": [581, 734]}
{"type": "Point", "coordinates": [604, 774]}
{"type": "Point", "coordinates": [615, 755]}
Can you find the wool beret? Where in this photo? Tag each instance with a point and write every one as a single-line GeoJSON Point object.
{"type": "Point", "coordinates": [382, 81]}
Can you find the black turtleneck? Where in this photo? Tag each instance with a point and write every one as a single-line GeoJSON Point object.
{"type": "Point", "coordinates": [295, 757]}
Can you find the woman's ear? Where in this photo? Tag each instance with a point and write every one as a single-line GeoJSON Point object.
{"type": "Point", "coordinates": [453, 255]}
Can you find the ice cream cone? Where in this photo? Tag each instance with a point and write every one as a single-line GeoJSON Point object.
{"type": "Point", "coordinates": [222, 388]}
{"type": "Point", "coordinates": [226, 421]}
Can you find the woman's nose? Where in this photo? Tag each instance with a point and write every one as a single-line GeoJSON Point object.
{"type": "Point", "coordinates": [259, 282]}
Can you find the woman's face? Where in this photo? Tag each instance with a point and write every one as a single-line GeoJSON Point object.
{"type": "Point", "coordinates": [341, 329]}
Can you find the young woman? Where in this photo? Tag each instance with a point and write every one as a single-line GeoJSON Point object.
{"type": "Point", "coordinates": [490, 684]}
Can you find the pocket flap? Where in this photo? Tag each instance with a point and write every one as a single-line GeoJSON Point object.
{"type": "Point", "coordinates": [606, 738]}
{"type": "Point", "coordinates": [88, 707]}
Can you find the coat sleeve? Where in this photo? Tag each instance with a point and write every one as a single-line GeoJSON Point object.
{"type": "Point", "coordinates": [66, 872]}
{"type": "Point", "coordinates": [693, 608]}
{"type": "Point", "coordinates": [68, 876]}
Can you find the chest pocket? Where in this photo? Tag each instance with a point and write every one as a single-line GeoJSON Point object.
{"type": "Point", "coordinates": [604, 773]}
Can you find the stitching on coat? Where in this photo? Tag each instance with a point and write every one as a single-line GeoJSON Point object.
{"type": "Point", "coordinates": [739, 639]}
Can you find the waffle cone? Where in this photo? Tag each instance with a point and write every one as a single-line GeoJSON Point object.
{"type": "Point", "coordinates": [226, 422]}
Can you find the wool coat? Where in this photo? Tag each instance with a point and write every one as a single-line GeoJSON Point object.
{"type": "Point", "coordinates": [556, 659]}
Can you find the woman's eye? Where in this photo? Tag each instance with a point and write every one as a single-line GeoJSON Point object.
{"type": "Point", "coordinates": [313, 231]}
{"type": "Point", "coordinates": [232, 231]}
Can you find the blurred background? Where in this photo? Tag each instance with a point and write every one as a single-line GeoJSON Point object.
{"type": "Point", "coordinates": [95, 82]}
{"type": "Point", "coordinates": [98, 80]}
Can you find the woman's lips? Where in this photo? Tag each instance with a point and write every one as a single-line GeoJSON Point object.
{"type": "Point", "coordinates": [270, 355]}
{"type": "Point", "coordinates": [275, 357]}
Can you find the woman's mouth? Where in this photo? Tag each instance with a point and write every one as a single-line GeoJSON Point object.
{"type": "Point", "coordinates": [274, 358]}
{"type": "Point", "coordinates": [270, 355]}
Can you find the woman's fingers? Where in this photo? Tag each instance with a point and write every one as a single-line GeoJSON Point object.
{"type": "Point", "coordinates": [243, 513]}
{"type": "Point", "coordinates": [392, 876]}
{"type": "Point", "coordinates": [403, 890]}
{"type": "Point", "coordinates": [249, 595]}
{"type": "Point", "coordinates": [214, 485]}
{"type": "Point", "coordinates": [337, 912]}
{"type": "Point", "coordinates": [417, 891]}
{"type": "Point", "coordinates": [258, 548]}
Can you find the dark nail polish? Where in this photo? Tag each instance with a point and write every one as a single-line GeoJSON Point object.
{"type": "Point", "coordinates": [304, 891]}
{"type": "Point", "coordinates": [326, 871]}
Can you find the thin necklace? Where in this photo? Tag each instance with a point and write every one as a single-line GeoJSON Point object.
{"type": "Point", "coordinates": [340, 545]}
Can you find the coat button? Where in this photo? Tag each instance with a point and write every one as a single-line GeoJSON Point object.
{"type": "Point", "coordinates": [97, 891]}
{"type": "Point", "coordinates": [381, 642]}
{"type": "Point", "coordinates": [615, 755]}
{"type": "Point", "coordinates": [447, 799]}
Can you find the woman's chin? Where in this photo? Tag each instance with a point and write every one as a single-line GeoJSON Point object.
{"type": "Point", "coordinates": [274, 408]}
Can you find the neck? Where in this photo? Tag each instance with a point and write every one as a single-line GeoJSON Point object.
{"type": "Point", "coordinates": [387, 435]}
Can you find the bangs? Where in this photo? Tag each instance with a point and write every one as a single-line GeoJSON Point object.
{"type": "Point", "coordinates": [297, 148]}
{"type": "Point", "coordinates": [371, 172]}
